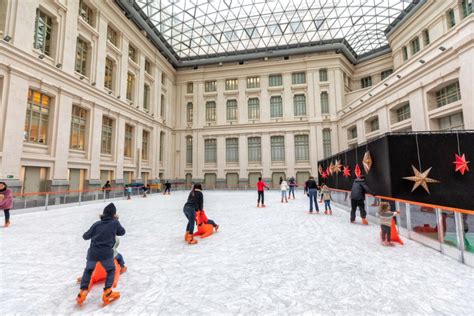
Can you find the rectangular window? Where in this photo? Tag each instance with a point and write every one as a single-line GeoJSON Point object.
{"type": "Point", "coordinates": [232, 150]}
{"type": "Point", "coordinates": [145, 142]}
{"type": "Point", "coordinates": [109, 74]}
{"type": "Point", "coordinates": [253, 82]}
{"type": "Point", "coordinates": [86, 13]}
{"type": "Point", "coordinates": [301, 148]}
{"type": "Point", "coordinates": [127, 152]}
{"type": "Point", "coordinates": [403, 113]}
{"type": "Point", "coordinates": [466, 6]}
{"type": "Point", "coordinates": [275, 80]}
{"type": "Point", "coordinates": [148, 66]}
{"type": "Point", "coordinates": [106, 137]}
{"type": "Point", "coordinates": [82, 49]}
{"type": "Point", "coordinates": [254, 109]}
{"type": "Point", "coordinates": [384, 74]}
{"type": "Point", "coordinates": [78, 128]}
{"type": "Point", "coordinates": [277, 148]}
{"type": "Point", "coordinates": [37, 118]}
{"type": "Point", "coordinates": [162, 146]}
{"type": "Point", "coordinates": [426, 37]}
{"type": "Point", "coordinates": [374, 125]}
{"type": "Point", "coordinates": [452, 122]}
{"type": "Point", "coordinates": [448, 94]}
{"type": "Point", "coordinates": [210, 150]}
{"type": "Point", "coordinates": [299, 103]}
{"type": "Point", "coordinates": [327, 142]}
{"type": "Point", "coordinates": [146, 97]}
{"type": "Point", "coordinates": [130, 86]}
{"type": "Point", "coordinates": [189, 150]}
{"type": "Point", "coordinates": [324, 103]}
{"type": "Point", "coordinates": [323, 75]}
{"type": "Point", "coordinates": [163, 106]}
{"type": "Point", "coordinates": [232, 84]}
{"type": "Point", "coordinates": [276, 106]}
{"type": "Point", "coordinates": [352, 133]}
{"type": "Point", "coordinates": [415, 45]}
{"type": "Point", "coordinates": [189, 87]}
{"type": "Point", "coordinates": [405, 52]}
{"type": "Point", "coordinates": [209, 86]}
{"type": "Point", "coordinates": [451, 18]}
{"type": "Point", "coordinates": [298, 78]}
{"type": "Point", "coordinates": [366, 82]}
{"type": "Point", "coordinates": [163, 78]}
{"type": "Point", "coordinates": [132, 53]}
{"type": "Point", "coordinates": [43, 32]}
{"type": "Point", "coordinates": [231, 109]}
{"type": "Point", "coordinates": [255, 149]}
{"type": "Point", "coordinates": [112, 36]}
{"type": "Point", "coordinates": [189, 112]}
{"type": "Point", "coordinates": [210, 111]}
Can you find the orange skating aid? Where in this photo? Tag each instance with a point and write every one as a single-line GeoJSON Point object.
{"type": "Point", "coordinates": [394, 237]}
{"type": "Point", "coordinates": [204, 230]}
{"type": "Point", "coordinates": [100, 274]}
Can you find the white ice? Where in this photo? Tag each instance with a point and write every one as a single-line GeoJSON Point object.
{"type": "Point", "coordinates": [275, 260]}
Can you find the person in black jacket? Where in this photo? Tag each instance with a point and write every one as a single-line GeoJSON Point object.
{"type": "Point", "coordinates": [359, 189]}
{"type": "Point", "coordinates": [106, 188]}
{"type": "Point", "coordinates": [194, 203]}
{"type": "Point", "coordinates": [311, 189]}
{"type": "Point", "coordinates": [102, 235]}
{"type": "Point", "coordinates": [167, 188]}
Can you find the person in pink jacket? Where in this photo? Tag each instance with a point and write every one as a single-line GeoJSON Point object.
{"type": "Point", "coordinates": [6, 201]}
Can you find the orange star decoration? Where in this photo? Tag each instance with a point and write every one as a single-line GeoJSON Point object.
{"type": "Point", "coordinates": [421, 178]}
{"type": "Point", "coordinates": [346, 172]}
{"type": "Point", "coordinates": [461, 164]}
{"type": "Point", "coordinates": [367, 161]}
{"type": "Point", "coordinates": [331, 168]}
{"type": "Point", "coordinates": [357, 171]}
{"type": "Point", "coordinates": [320, 169]}
{"type": "Point", "coordinates": [337, 166]}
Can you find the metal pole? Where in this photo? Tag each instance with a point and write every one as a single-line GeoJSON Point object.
{"type": "Point", "coordinates": [439, 220]}
{"type": "Point", "coordinates": [408, 209]}
{"type": "Point", "coordinates": [460, 235]}
{"type": "Point", "coordinates": [80, 198]}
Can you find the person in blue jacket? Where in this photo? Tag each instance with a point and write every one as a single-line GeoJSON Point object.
{"type": "Point", "coordinates": [102, 236]}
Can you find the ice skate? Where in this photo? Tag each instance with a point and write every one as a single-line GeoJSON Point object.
{"type": "Point", "coordinates": [192, 241]}
{"type": "Point", "coordinates": [7, 224]}
{"type": "Point", "coordinates": [258, 204]}
{"type": "Point", "coordinates": [81, 297]}
{"type": "Point", "coordinates": [365, 222]}
{"type": "Point", "coordinates": [109, 296]}
{"type": "Point", "coordinates": [188, 236]}
{"type": "Point", "coordinates": [330, 212]}
{"type": "Point", "coordinates": [123, 269]}
{"type": "Point", "coordinates": [325, 212]}
{"type": "Point", "coordinates": [216, 228]}
{"type": "Point", "coordinates": [263, 205]}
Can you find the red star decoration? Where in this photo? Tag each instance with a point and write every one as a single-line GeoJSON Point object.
{"type": "Point", "coordinates": [461, 164]}
{"type": "Point", "coordinates": [357, 171]}
{"type": "Point", "coordinates": [346, 172]}
{"type": "Point", "coordinates": [325, 175]}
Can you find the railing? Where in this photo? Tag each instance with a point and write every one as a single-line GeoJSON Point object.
{"type": "Point", "coordinates": [447, 229]}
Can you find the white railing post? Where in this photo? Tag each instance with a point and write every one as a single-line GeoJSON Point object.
{"type": "Point", "coordinates": [408, 210]}
{"type": "Point", "coordinates": [80, 198]}
{"type": "Point", "coordinates": [397, 206]}
{"type": "Point", "coordinates": [460, 234]}
{"type": "Point", "coordinates": [46, 202]}
{"type": "Point", "coordinates": [439, 220]}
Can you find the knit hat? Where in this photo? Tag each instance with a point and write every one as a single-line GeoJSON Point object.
{"type": "Point", "coordinates": [110, 210]}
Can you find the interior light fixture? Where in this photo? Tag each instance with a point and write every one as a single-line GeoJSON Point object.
{"type": "Point", "coordinates": [422, 61]}
{"type": "Point", "coordinates": [398, 76]}
{"type": "Point", "coordinates": [7, 38]}
{"type": "Point", "coordinates": [41, 56]}
{"type": "Point", "coordinates": [118, 97]}
{"type": "Point", "coordinates": [59, 65]}
{"type": "Point", "coordinates": [110, 92]}
{"type": "Point", "coordinates": [241, 62]}
{"type": "Point", "coordinates": [442, 48]}
{"type": "Point", "coordinates": [385, 84]}
{"type": "Point", "coordinates": [81, 77]}
{"type": "Point", "coordinates": [93, 83]}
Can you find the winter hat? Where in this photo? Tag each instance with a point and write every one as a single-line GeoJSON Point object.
{"type": "Point", "coordinates": [110, 210]}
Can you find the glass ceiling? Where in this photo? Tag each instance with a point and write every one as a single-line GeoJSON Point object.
{"type": "Point", "coordinates": [199, 29]}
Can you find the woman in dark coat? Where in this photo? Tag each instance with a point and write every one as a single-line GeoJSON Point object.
{"type": "Point", "coordinates": [194, 203]}
{"type": "Point", "coordinates": [6, 201]}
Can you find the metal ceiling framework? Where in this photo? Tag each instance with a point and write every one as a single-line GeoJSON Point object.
{"type": "Point", "coordinates": [197, 32]}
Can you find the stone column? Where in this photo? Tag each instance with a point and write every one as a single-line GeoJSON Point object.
{"type": "Point", "coordinates": [95, 134]}
{"type": "Point", "coordinates": [266, 157]}
{"type": "Point", "coordinates": [221, 162]}
{"type": "Point", "coordinates": [243, 162]}
{"type": "Point", "coordinates": [119, 131]}
{"type": "Point", "coordinates": [418, 111]}
{"type": "Point", "coordinates": [466, 80]}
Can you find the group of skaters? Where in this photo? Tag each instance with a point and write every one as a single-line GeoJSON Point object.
{"type": "Point", "coordinates": [145, 189]}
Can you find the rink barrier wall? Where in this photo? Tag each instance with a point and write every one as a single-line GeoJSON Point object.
{"type": "Point", "coordinates": [445, 229]}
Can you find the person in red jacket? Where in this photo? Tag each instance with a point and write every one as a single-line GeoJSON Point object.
{"type": "Point", "coordinates": [260, 187]}
{"type": "Point", "coordinates": [201, 215]}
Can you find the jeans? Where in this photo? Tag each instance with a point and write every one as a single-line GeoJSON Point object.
{"type": "Point", "coordinates": [260, 196]}
{"type": "Point", "coordinates": [354, 205]}
{"type": "Point", "coordinates": [167, 189]}
{"type": "Point", "coordinates": [191, 216]}
{"type": "Point", "coordinates": [283, 194]}
{"type": "Point", "coordinates": [291, 191]}
{"type": "Point", "coordinates": [109, 267]}
{"type": "Point", "coordinates": [120, 260]}
{"type": "Point", "coordinates": [386, 231]}
{"type": "Point", "coordinates": [327, 205]}
{"type": "Point", "coordinates": [313, 196]}
{"type": "Point", "coordinates": [7, 215]}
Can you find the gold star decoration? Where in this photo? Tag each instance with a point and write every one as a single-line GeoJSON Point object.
{"type": "Point", "coordinates": [337, 166]}
{"type": "Point", "coordinates": [320, 169]}
{"type": "Point", "coordinates": [331, 168]}
{"type": "Point", "coordinates": [421, 179]}
{"type": "Point", "coordinates": [367, 161]}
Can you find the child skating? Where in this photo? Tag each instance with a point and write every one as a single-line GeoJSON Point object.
{"type": "Point", "coordinates": [102, 235]}
{"type": "Point", "coordinates": [385, 218]}
{"type": "Point", "coordinates": [260, 189]}
{"type": "Point", "coordinates": [284, 189]}
{"type": "Point", "coordinates": [326, 196]}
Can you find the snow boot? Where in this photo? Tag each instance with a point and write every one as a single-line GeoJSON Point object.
{"type": "Point", "coordinates": [365, 222]}
{"type": "Point", "coordinates": [81, 297]}
{"type": "Point", "coordinates": [188, 236]}
{"type": "Point", "coordinates": [109, 296]}
{"type": "Point", "coordinates": [192, 241]}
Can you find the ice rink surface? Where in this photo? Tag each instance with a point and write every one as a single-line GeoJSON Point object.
{"type": "Point", "coordinates": [274, 260]}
